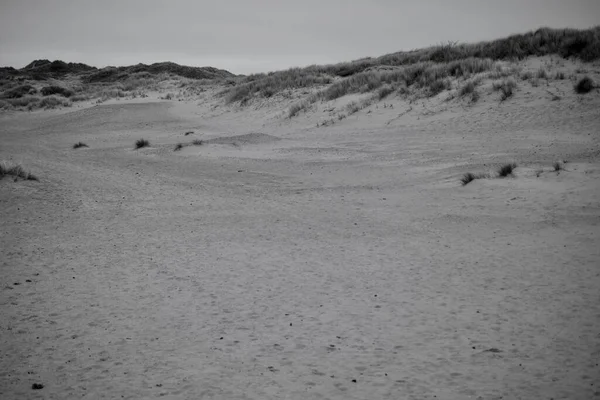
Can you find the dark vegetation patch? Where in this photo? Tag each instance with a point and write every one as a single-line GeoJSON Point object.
{"type": "Point", "coordinates": [506, 170]}
{"type": "Point", "coordinates": [79, 145]}
{"type": "Point", "coordinates": [8, 168]}
{"type": "Point", "coordinates": [141, 143]}
{"type": "Point", "coordinates": [585, 85]}
{"type": "Point", "coordinates": [54, 89]}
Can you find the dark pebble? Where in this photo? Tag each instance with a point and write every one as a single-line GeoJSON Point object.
{"type": "Point", "coordinates": [16, 283]}
{"type": "Point", "coordinates": [27, 280]}
{"type": "Point", "coordinates": [354, 380]}
{"type": "Point", "coordinates": [37, 386]}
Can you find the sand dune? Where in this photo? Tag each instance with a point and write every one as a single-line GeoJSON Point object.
{"type": "Point", "coordinates": [281, 260]}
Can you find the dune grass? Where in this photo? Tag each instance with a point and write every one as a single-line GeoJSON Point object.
{"type": "Point", "coordinates": [79, 145]}
{"type": "Point", "coordinates": [506, 88]}
{"type": "Point", "coordinates": [8, 168]}
{"type": "Point", "coordinates": [178, 147]}
{"type": "Point", "coordinates": [425, 68]}
{"type": "Point", "coordinates": [470, 177]}
{"type": "Point", "coordinates": [140, 143]}
{"type": "Point", "coordinates": [506, 170]}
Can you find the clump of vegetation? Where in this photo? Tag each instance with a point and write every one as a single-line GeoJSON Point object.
{"type": "Point", "coordinates": [558, 166]}
{"type": "Point", "coordinates": [421, 67]}
{"type": "Point", "coordinates": [470, 177]}
{"type": "Point", "coordinates": [178, 147]}
{"type": "Point", "coordinates": [506, 88]}
{"type": "Point", "coordinates": [506, 170]}
{"type": "Point", "coordinates": [50, 90]}
{"type": "Point", "coordinates": [541, 73]}
{"type": "Point", "coordinates": [54, 102]}
{"type": "Point", "coordinates": [198, 142]}
{"type": "Point", "coordinates": [8, 168]}
{"type": "Point", "coordinates": [585, 85]}
{"type": "Point", "coordinates": [384, 91]}
{"type": "Point", "coordinates": [188, 133]}
{"type": "Point", "coordinates": [19, 91]}
{"type": "Point", "coordinates": [141, 143]}
{"type": "Point", "coordinates": [560, 75]}
{"type": "Point", "coordinates": [79, 145]}
{"type": "Point", "coordinates": [527, 75]}
{"type": "Point", "coordinates": [470, 89]}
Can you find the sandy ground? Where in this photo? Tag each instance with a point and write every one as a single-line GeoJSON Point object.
{"type": "Point", "coordinates": [284, 261]}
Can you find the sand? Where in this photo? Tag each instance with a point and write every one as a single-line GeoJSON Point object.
{"type": "Point", "coordinates": [279, 260]}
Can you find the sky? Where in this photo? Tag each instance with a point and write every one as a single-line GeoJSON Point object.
{"type": "Point", "coordinates": [247, 36]}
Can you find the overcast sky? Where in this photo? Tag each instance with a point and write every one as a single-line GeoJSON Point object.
{"type": "Point", "coordinates": [245, 36]}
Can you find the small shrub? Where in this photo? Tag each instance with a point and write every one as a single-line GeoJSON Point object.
{"type": "Point", "coordinates": [25, 101]}
{"type": "Point", "coordinates": [506, 88]}
{"type": "Point", "coordinates": [198, 142]}
{"type": "Point", "coordinates": [506, 170]}
{"type": "Point", "coordinates": [79, 97]}
{"type": "Point", "coordinates": [19, 91]}
{"type": "Point", "coordinates": [352, 107]}
{"type": "Point", "coordinates": [585, 85]}
{"type": "Point", "coordinates": [470, 177]}
{"type": "Point", "coordinates": [468, 88]}
{"type": "Point", "coordinates": [558, 166]}
{"type": "Point", "coordinates": [54, 102]}
{"type": "Point", "coordinates": [79, 145]}
{"type": "Point", "coordinates": [475, 96]}
{"type": "Point", "coordinates": [384, 91]}
{"type": "Point", "coordinates": [141, 143]}
{"type": "Point", "coordinates": [11, 169]}
{"type": "Point", "coordinates": [296, 108]}
{"type": "Point", "coordinates": [541, 73]}
{"type": "Point", "coordinates": [50, 90]}
{"type": "Point", "coordinates": [438, 86]}
{"type": "Point", "coordinates": [526, 75]}
{"type": "Point", "coordinates": [178, 147]}
{"type": "Point", "coordinates": [188, 133]}
{"type": "Point", "coordinates": [560, 76]}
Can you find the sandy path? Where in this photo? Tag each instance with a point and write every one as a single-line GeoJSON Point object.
{"type": "Point", "coordinates": [333, 264]}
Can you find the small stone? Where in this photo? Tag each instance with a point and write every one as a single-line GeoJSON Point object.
{"type": "Point", "coordinates": [37, 386]}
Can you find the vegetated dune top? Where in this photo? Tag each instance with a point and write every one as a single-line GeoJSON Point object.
{"type": "Point", "coordinates": [44, 69]}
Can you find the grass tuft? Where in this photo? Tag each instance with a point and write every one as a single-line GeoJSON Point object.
{"type": "Point", "coordinates": [8, 168]}
{"type": "Point", "coordinates": [178, 147]}
{"type": "Point", "coordinates": [506, 170]}
{"type": "Point", "coordinates": [198, 142]}
{"type": "Point", "coordinates": [79, 144]}
{"type": "Point", "coordinates": [506, 88]}
{"type": "Point", "coordinates": [141, 143]}
{"type": "Point", "coordinates": [188, 133]}
{"type": "Point", "coordinates": [585, 85]}
{"type": "Point", "coordinates": [558, 166]}
{"type": "Point", "coordinates": [470, 177]}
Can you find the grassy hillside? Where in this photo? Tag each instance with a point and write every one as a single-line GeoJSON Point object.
{"type": "Point", "coordinates": [46, 84]}
{"type": "Point", "coordinates": [419, 73]}
{"type": "Point", "coordinates": [424, 72]}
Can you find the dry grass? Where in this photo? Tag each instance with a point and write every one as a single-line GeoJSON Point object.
{"type": "Point", "coordinates": [425, 68]}
{"type": "Point", "coordinates": [8, 168]}
{"type": "Point", "coordinates": [140, 143]}
{"type": "Point", "coordinates": [470, 177]}
{"type": "Point", "coordinates": [506, 88]}
{"type": "Point", "coordinates": [79, 145]}
{"type": "Point", "coordinates": [506, 170]}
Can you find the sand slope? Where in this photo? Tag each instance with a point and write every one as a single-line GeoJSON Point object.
{"type": "Point", "coordinates": [283, 261]}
